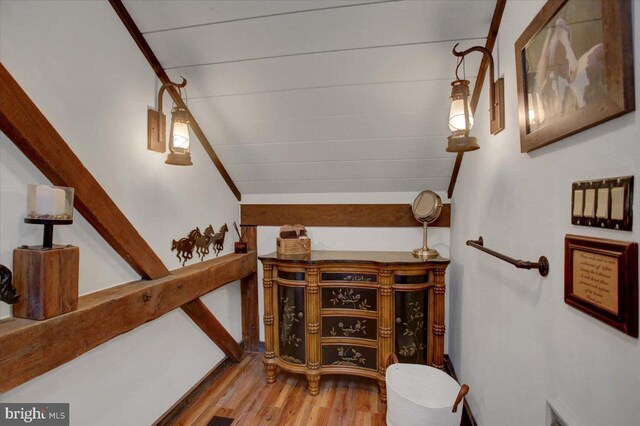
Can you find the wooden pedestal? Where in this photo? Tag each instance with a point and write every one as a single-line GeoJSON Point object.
{"type": "Point", "coordinates": [46, 280]}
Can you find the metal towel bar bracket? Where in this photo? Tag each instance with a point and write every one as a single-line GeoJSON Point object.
{"type": "Point", "coordinates": [542, 265]}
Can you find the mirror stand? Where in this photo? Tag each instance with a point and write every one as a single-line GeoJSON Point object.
{"type": "Point", "coordinates": [425, 252]}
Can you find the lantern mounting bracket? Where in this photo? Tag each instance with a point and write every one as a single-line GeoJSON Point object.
{"type": "Point", "coordinates": [180, 86]}
{"type": "Point", "coordinates": [496, 87]}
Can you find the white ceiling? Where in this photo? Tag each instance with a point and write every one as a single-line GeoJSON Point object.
{"type": "Point", "coordinates": [320, 96]}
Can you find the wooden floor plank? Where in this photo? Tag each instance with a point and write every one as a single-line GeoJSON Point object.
{"type": "Point", "coordinates": [242, 393]}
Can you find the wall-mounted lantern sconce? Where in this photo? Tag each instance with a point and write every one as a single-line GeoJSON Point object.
{"type": "Point", "coordinates": [179, 140]}
{"type": "Point", "coordinates": [461, 116]}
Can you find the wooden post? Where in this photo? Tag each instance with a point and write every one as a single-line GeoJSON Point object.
{"type": "Point", "coordinates": [249, 291]}
{"type": "Point", "coordinates": [46, 280]}
{"type": "Point", "coordinates": [386, 327]}
{"type": "Point", "coordinates": [313, 329]}
{"type": "Point", "coordinates": [438, 319]}
{"type": "Point", "coordinates": [269, 360]}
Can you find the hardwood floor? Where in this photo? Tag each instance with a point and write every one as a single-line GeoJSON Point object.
{"type": "Point", "coordinates": [242, 393]}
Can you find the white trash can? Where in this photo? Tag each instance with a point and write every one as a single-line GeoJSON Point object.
{"type": "Point", "coordinates": [418, 395]}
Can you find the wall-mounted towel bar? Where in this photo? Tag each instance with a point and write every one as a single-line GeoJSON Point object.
{"type": "Point", "coordinates": [542, 265]}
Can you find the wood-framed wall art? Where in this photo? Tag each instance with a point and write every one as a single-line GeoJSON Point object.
{"type": "Point", "coordinates": [574, 66]}
{"type": "Point", "coordinates": [601, 280]}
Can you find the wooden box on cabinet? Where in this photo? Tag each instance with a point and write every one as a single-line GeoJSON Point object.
{"type": "Point", "coordinates": [343, 312]}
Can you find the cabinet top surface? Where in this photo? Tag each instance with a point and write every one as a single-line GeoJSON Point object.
{"type": "Point", "coordinates": [377, 257]}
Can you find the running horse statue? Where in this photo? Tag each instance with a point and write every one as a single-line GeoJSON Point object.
{"type": "Point", "coordinates": [202, 241]}
{"type": "Point", "coordinates": [218, 239]}
{"type": "Point", "coordinates": [184, 248]}
{"type": "Point", "coordinates": [199, 242]}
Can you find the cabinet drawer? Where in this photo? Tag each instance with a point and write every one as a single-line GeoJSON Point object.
{"type": "Point", "coordinates": [357, 277]}
{"type": "Point", "coordinates": [336, 355]}
{"type": "Point", "coordinates": [411, 279]}
{"type": "Point", "coordinates": [350, 327]}
{"type": "Point", "coordinates": [291, 275]}
{"type": "Point", "coordinates": [364, 299]}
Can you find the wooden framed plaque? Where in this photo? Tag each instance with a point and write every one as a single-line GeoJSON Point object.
{"type": "Point", "coordinates": [601, 279]}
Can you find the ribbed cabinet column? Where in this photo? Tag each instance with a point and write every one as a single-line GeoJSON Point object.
{"type": "Point", "coordinates": [438, 318]}
{"type": "Point", "coordinates": [269, 359]}
{"type": "Point", "coordinates": [313, 328]}
{"type": "Point", "coordinates": [386, 326]}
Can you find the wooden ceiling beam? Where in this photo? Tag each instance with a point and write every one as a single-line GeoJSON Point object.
{"type": "Point", "coordinates": [30, 348]}
{"type": "Point", "coordinates": [139, 39]}
{"type": "Point", "coordinates": [362, 215]}
{"type": "Point", "coordinates": [29, 129]}
{"type": "Point", "coordinates": [477, 89]}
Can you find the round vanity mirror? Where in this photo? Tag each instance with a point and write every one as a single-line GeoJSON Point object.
{"type": "Point", "coordinates": [426, 209]}
{"type": "Point", "coordinates": [427, 206]}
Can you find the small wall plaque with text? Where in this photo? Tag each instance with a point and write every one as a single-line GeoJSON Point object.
{"type": "Point", "coordinates": [601, 279]}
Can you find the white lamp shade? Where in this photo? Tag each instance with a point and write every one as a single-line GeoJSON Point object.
{"type": "Point", "coordinates": [456, 116]}
{"type": "Point", "coordinates": [181, 136]}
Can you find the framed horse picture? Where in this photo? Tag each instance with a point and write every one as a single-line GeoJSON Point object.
{"type": "Point", "coordinates": [574, 67]}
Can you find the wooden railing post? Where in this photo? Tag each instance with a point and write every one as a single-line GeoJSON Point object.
{"type": "Point", "coordinates": [249, 290]}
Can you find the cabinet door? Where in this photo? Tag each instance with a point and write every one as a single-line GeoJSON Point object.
{"type": "Point", "coordinates": [291, 324]}
{"type": "Point", "coordinates": [411, 326]}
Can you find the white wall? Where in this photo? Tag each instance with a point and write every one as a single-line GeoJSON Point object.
{"type": "Point", "coordinates": [80, 66]}
{"type": "Point", "coordinates": [513, 339]}
{"type": "Point", "coordinates": [348, 238]}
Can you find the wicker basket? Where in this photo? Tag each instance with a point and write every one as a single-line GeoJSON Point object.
{"type": "Point", "coordinates": [287, 246]}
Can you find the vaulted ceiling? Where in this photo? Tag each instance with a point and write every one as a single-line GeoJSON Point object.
{"type": "Point", "coordinates": [320, 96]}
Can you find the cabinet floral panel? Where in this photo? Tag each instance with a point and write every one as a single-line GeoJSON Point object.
{"type": "Point", "coordinates": [364, 299]}
{"type": "Point", "coordinates": [291, 324]}
{"type": "Point", "coordinates": [337, 355]}
{"type": "Point", "coordinates": [411, 326]}
{"type": "Point", "coordinates": [350, 327]}
{"type": "Point", "coordinates": [349, 276]}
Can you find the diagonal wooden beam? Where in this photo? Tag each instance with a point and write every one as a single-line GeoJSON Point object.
{"type": "Point", "coordinates": [477, 89]}
{"type": "Point", "coordinates": [139, 39]}
{"type": "Point", "coordinates": [202, 316]}
{"type": "Point", "coordinates": [30, 348]}
{"type": "Point", "coordinates": [29, 129]}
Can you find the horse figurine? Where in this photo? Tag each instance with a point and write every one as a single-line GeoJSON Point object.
{"type": "Point", "coordinates": [199, 242]}
{"type": "Point", "coordinates": [202, 241]}
{"type": "Point", "coordinates": [217, 240]}
{"type": "Point", "coordinates": [184, 248]}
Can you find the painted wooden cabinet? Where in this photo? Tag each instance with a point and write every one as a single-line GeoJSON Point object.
{"type": "Point", "coordinates": [332, 312]}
